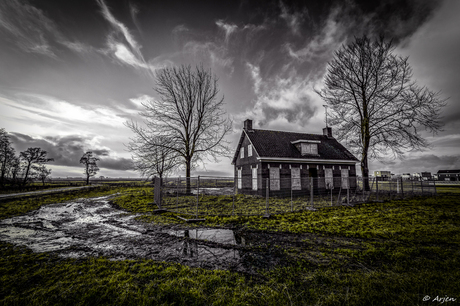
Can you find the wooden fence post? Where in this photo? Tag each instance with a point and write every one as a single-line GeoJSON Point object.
{"type": "Point", "coordinates": [267, 215]}
{"type": "Point", "coordinates": [311, 191]}
{"type": "Point", "coordinates": [291, 197]}
{"type": "Point", "coordinates": [377, 188]}
{"type": "Point", "coordinates": [157, 191]}
{"type": "Point", "coordinates": [197, 195]}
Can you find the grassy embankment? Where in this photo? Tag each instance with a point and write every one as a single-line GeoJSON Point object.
{"type": "Point", "coordinates": [392, 253]}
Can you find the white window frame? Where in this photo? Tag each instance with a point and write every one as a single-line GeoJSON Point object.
{"type": "Point", "coordinates": [274, 178]}
{"type": "Point", "coordinates": [295, 179]}
{"type": "Point", "coordinates": [305, 148]}
{"type": "Point", "coordinates": [254, 178]}
{"type": "Point", "coordinates": [345, 175]}
{"type": "Point", "coordinates": [314, 148]}
{"type": "Point", "coordinates": [242, 152]}
{"type": "Point", "coordinates": [249, 150]}
{"type": "Point", "coordinates": [240, 179]}
{"type": "Point", "coordinates": [308, 148]}
{"type": "Point", "coordinates": [329, 178]}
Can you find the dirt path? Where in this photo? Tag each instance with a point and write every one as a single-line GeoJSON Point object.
{"type": "Point", "coordinates": [39, 192]}
{"type": "Point", "coordinates": [95, 227]}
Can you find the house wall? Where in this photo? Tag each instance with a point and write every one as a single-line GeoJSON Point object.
{"type": "Point", "coordinates": [246, 164]}
{"type": "Point", "coordinates": [263, 173]}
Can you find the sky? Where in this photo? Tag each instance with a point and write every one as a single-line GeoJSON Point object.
{"type": "Point", "coordinates": [72, 73]}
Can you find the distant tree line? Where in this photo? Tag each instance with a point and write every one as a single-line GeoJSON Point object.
{"type": "Point", "coordinates": [20, 170]}
{"type": "Point", "coordinates": [17, 171]}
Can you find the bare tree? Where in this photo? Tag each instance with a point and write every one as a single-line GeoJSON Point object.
{"type": "Point", "coordinates": [189, 114]}
{"type": "Point", "coordinates": [374, 103]}
{"type": "Point", "coordinates": [90, 163]}
{"type": "Point", "coordinates": [14, 170]}
{"type": "Point", "coordinates": [7, 156]}
{"type": "Point", "coordinates": [41, 172]}
{"type": "Point", "coordinates": [30, 157]}
{"type": "Point", "coordinates": [151, 157]}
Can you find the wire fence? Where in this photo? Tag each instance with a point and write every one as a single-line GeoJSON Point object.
{"type": "Point", "coordinates": [220, 196]}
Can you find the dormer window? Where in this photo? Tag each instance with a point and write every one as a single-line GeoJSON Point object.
{"type": "Point", "coordinates": [307, 147]}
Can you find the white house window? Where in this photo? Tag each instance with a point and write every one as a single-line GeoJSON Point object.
{"type": "Point", "coordinates": [308, 148]}
{"type": "Point", "coordinates": [329, 178]}
{"type": "Point", "coordinates": [242, 152]}
{"type": "Point", "coordinates": [274, 178]}
{"type": "Point", "coordinates": [295, 179]}
{"type": "Point", "coordinates": [249, 150]}
{"type": "Point", "coordinates": [345, 179]}
{"type": "Point", "coordinates": [254, 178]}
{"type": "Point", "coordinates": [240, 179]}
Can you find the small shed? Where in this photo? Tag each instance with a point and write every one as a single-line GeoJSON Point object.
{"type": "Point", "coordinates": [289, 160]}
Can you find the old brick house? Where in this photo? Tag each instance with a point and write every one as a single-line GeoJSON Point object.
{"type": "Point", "coordinates": [289, 160]}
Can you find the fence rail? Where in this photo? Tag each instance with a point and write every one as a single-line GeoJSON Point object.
{"type": "Point", "coordinates": [220, 196]}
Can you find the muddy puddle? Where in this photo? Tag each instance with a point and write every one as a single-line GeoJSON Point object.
{"type": "Point", "coordinates": [95, 227]}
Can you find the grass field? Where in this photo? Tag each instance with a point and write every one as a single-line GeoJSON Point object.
{"type": "Point", "coordinates": [403, 252]}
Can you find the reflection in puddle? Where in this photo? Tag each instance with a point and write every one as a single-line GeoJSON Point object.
{"type": "Point", "coordinates": [192, 249]}
{"type": "Point", "coordinates": [224, 236]}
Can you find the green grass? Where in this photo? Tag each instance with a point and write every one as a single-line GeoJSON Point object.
{"type": "Point", "coordinates": [391, 253]}
{"type": "Point", "coordinates": [44, 279]}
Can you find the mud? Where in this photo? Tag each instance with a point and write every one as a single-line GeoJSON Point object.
{"type": "Point", "coordinates": [95, 227]}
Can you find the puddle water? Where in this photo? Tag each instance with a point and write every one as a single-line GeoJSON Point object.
{"type": "Point", "coordinates": [224, 236]}
{"type": "Point", "coordinates": [93, 227]}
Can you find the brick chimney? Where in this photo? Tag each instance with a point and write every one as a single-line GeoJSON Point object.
{"type": "Point", "coordinates": [327, 131]}
{"type": "Point", "coordinates": [248, 125]}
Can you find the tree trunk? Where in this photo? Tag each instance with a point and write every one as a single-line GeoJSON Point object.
{"type": "Point", "coordinates": [87, 174]}
{"type": "Point", "coordinates": [365, 172]}
{"type": "Point", "coordinates": [2, 179]}
{"type": "Point", "coordinates": [187, 175]}
{"type": "Point", "coordinates": [24, 182]}
{"type": "Point", "coordinates": [365, 134]}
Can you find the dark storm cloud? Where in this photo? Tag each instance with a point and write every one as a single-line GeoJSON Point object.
{"type": "Point", "coordinates": [101, 152]}
{"type": "Point", "coordinates": [396, 19]}
{"type": "Point", "coordinates": [119, 163]}
{"type": "Point", "coordinates": [67, 150]}
{"type": "Point", "coordinates": [283, 47]}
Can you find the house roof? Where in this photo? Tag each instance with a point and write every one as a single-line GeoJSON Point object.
{"type": "Point", "coordinates": [278, 144]}
{"type": "Point", "coordinates": [448, 171]}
